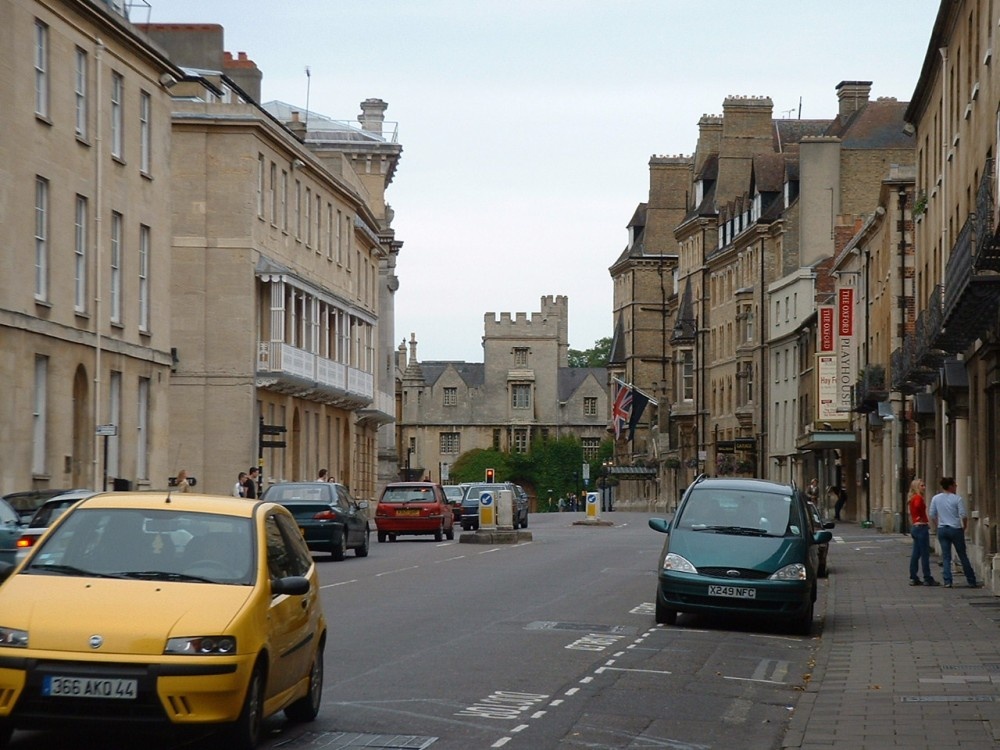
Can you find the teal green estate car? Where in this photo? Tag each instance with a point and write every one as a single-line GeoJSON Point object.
{"type": "Point", "coordinates": [739, 546]}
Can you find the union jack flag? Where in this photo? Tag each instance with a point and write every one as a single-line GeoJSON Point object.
{"type": "Point", "coordinates": [621, 410]}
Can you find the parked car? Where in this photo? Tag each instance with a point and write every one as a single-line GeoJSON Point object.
{"type": "Point", "coordinates": [454, 494]}
{"type": "Point", "coordinates": [414, 508]}
{"type": "Point", "coordinates": [330, 519]}
{"type": "Point", "coordinates": [28, 501]}
{"type": "Point", "coordinates": [45, 516]}
{"type": "Point", "coordinates": [10, 531]}
{"type": "Point", "coordinates": [470, 504]}
{"type": "Point", "coordinates": [823, 549]}
{"type": "Point", "coordinates": [186, 610]}
{"type": "Point", "coordinates": [739, 546]}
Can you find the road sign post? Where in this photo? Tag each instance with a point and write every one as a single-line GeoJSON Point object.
{"type": "Point", "coordinates": [487, 511]}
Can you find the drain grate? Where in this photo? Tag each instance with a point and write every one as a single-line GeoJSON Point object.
{"type": "Point", "coordinates": [355, 741]}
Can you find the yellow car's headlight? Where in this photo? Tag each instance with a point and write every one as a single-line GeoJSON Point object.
{"type": "Point", "coordinates": [201, 645]}
{"type": "Point", "coordinates": [14, 638]}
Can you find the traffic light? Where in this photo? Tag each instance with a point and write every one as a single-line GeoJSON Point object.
{"type": "Point", "coordinates": [491, 476]}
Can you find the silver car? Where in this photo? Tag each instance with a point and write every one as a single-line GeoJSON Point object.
{"type": "Point", "coordinates": [10, 531]}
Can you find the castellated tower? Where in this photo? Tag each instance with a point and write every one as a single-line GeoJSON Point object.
{"type": "Point", "coordinates": [546, 332]}
{"type": "Point", "coordinates": [523, 349]}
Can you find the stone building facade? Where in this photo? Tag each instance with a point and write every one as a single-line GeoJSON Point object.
{"type": "Point", "coordinates": [184, 263]}
{"type": "Point", "coordinates": [769, 204]}
{"type": "Point", "coordinates": [281, 264]}
{"type": "Point", "coordinates": [85, 302]}
{"type": "Point", "coordinates": [523, 391]}
{"type": "Point", "coordinates": [946, 369]}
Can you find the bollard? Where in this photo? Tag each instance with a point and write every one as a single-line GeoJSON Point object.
{"type": "Point", "coordinates": [593, 506]}
{"type": "Point", "coordinates": [487, 511]}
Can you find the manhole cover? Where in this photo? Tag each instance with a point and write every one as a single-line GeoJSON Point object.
{"type": "Point", "coordinates": [355, 741]}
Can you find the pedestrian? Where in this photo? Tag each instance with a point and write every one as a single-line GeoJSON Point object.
{"type": "Point", "coordinates": [921, 534]}
{"type": "Point", "coordinates": [322, 476]}
{"type": "Point", "coordinates": [250, 486]}
{"type": "Point", "coordinates": [561, 503]}
{"type": "Point", "coordinates": [238, 488]}
{"type": "Point", "coordinates": [839, 497]}
{"type": "Point", "coordinates": [181, 481]}
{"type": "Point", "coordinates": [812, 491]}
{"type": "Point", "coordinates": [949, 517]}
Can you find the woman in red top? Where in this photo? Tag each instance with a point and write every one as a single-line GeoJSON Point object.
{"type": "Point", "coordinates": [920, 531]}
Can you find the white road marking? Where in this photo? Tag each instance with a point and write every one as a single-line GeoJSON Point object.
{"type": "Point", "coordinates": [556, 702]}
{"type": "Point", "coordinates": [449, 559]}
{"type": "Point", "coordinates": [501, 742]}
{"type": "Point", "coordinates": [751, 679]}
{"type": "Point", "coordinates": [538, 714]}
{"type": "Point", "coordinates": [342, 583]}
{"type": "Point", "coordinates": [601, 670]}
{"type": "Point", "coordinates": [398, 570]}
{"type": "Point", "coordinates": [572, 691]}
{"type": "Point", "coordinates": [487, 551]}
{"type": "Point", "coordinates": [519, 728]}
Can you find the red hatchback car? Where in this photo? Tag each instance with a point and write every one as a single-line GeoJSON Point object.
{"type": "Point", "coordinates": [414, 508]}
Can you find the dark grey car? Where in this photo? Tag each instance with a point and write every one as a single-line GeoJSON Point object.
{"type": "Point", "coordinates": [330, 519]}
{"type": "Point", "coordinates": [470, 504]}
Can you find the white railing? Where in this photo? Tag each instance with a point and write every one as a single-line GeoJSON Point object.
{"type": "Point", "coordinates": [280, 358]}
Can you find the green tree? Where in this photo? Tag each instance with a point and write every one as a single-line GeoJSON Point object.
{"type": "Point", "coordinates": [471, 466]}
{"type": "Point", "coordinates": [596, 357]}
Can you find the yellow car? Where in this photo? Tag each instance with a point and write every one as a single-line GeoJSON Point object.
{"type": "Point", "coordinates": [169, 608]}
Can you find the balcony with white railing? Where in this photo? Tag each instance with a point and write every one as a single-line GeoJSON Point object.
{"type": "Point", "coordinates": [295, 371]}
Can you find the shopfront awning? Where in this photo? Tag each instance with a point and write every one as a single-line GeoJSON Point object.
{"type": "Point", "coordinates": [821, 440]}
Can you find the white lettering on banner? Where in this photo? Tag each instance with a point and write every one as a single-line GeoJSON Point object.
{"type": "Point", "coordinates": [845, 302]}
{"type": "Point", "coordinates": [845, 373]}
{"type": "Point", "coordinates": [827, 330]}
{"type": "Point", "coordinates": [845, 349]}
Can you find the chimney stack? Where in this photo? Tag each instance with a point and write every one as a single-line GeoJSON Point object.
{"type": "Point", "coordinates": [372, 115]}
{"type": "Point", "coordinates": [853, 95]}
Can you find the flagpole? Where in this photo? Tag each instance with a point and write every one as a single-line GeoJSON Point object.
{"type": "Point", "coordinates": [621, 382]}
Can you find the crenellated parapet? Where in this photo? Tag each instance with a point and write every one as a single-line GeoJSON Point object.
{"type": "Point", "coordinates": [552, 321]}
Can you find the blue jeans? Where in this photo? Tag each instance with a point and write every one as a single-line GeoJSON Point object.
{"type": "Point", "coordinates": [954, 536]}
{"type": "Point", "coordinates": [921, 551]}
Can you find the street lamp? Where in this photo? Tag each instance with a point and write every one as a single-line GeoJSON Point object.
{"type": "Point", "coordinates": [685, 339]}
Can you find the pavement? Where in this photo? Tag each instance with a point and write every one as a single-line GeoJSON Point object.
{"type": "Point", "coordinates": [898, 666]}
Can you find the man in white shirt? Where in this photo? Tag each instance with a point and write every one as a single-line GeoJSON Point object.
{"type": "Point", "coordinates": [949, 517]}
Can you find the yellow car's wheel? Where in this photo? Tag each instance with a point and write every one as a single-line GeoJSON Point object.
{"type": "Point", "coordinates": [307, 707]}
{"type": "Point", "coordinates": [244, 733]}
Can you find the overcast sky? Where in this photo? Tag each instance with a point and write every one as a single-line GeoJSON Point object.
{"type": "Point", "coordinates": [527, 125]}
